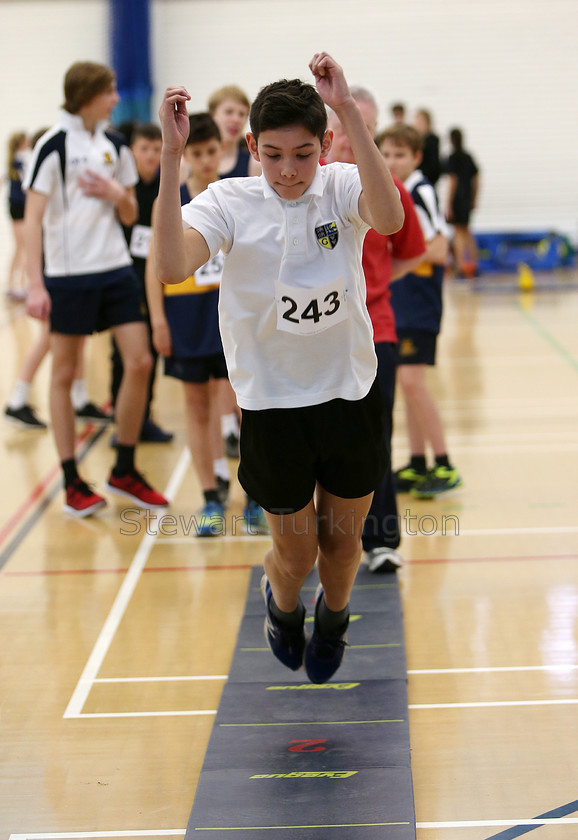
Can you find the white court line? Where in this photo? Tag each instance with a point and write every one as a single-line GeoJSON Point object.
{"type": "Point", "coordinates": [180, 832]}
{"type": "Point", "coordinates": [158, 679]}
{"type": "Point", "coordinates": [497, 823]}
{"type": "Point", "coordinates": [96, 658]}
{"type": "Point", "coordinates": [184, 713]}
{"type": "Point", "coordinates": [72, 835]}
{"type": "Point", "coordinates": [220, 537]}
{"type": "Point", "coordinates": [570, 701]}
{"type": "Point", "coordinates": [503, 669]}
{"type": "Point", "coordinates": [448, 532]}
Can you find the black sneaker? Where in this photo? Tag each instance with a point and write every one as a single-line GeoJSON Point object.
{"type": "Point", "coordinates": [286, 644]}
{"type": "Point", "coordinates": [223, 490]}
{"type": "Point", "coordinates": [91, 413]}
{"type": "Point", "coordinates": [232, 446]}
{"type": "Point", "coordinates": [151, 433]}
{"type": "Point", "coordinates": [407, 478]}
{"type": "Point", "coordinates": [323, 653]}
{"type": "Point", "coordinates": [24, 418]}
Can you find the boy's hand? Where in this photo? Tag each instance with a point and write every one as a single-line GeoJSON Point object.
{"type": "Point", "coordinates": [38, 302]}
{"type": "Point", "coordinates": [94, 185]}
{"type": "Point", "coordinates": [162, 337]}
{"type": "Point", "coordinates": [174, 119]}
{"type": "Point", "coordinates": [330, 80]}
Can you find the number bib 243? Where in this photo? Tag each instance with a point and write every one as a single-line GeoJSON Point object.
{"type": "Point", "coordinates": [310, 311]}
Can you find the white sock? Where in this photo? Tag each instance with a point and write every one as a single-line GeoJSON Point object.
{"type": "Point", "coordinates": [221, 469]}
{"type": "Point", "coordinates": [20, 395]}
{"type": "Point", "coordinates": [229, 425]}
{"type": "Point", "coordinates": [78, 394]}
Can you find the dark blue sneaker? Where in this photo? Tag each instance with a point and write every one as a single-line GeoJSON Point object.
{"type": "Point", "coordinates": [324, 653]}
{"type": "Point", "coordinates": [254, 522]}
{"type": "Point", "coordinates": [286, 644]}
{"type": "Point", "coordinates": [151, 433]}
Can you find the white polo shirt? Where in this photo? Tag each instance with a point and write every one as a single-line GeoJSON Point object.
{"type": "Point", "coordinates": [82, 235]}
{"type": "Point", "coordinates": [292, 313]}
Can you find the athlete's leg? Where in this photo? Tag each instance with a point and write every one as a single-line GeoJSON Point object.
{"type": "Point", "coordinates": [340, 525]}
{"type": "Point", "coordinates": [133, 344]}
{"type": "Point", "coordinates": [65, 353]}
{"type": "Point", "coordinates": [295, 546]}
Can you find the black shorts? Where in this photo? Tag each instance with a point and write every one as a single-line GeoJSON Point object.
{"type": "Point", "coordinates": [416, 347]}
{"type": "Point", "coordinates": [16, 211]}
{"type": "Point", "coordinates": [286, 451]}
{"type": "Point", "coordinates": [197, 370]}
{"type": "Point", "coordinates": [88, 303]}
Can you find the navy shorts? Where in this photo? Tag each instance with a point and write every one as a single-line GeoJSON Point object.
{"type": "Point", "coordinates": [286, 451]}
{"type": "Point", "coordinates": [16, 211]}
{"type": "Point", "coordinates": [88, 303]}
{"type": "Point", "coordinates": [198, 370]}
{"type": "Point", "coordinates": [416, 347]}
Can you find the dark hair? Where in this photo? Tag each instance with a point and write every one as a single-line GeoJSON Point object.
{"type": "Point", "coordinates": [398, 108]}
{"type": "Point", "coordinates": [148, 131]}
{"type": "Point", "coordinates": [285, 103]}
{"type": "Point", "coordinates": [401, 134]}
{"type": "Point", "coordinates": [457, 139]}
{"type": "Point", "coordinates": [202, 127]}
{"type": "Point", "coordinates": [83, 81]}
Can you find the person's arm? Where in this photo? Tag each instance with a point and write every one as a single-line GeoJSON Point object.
{"type": "Point", "coordinates": [109, 189]}
{"type": "Point", "coordinates": [38, 300]}
{"type": "Point", "coordinates": [437, 250]}
{"type": "Point", "coordinates": [452, 187]}
{"type": "Point", "coordinates": [178, 253]}
{"type": "Point", "coordinates": [155, 301]}
{"type": "Point", "coordinates": [475, 190]}
{"type": "Point", "coordinates": [379, 203]}
{"type": "Point", "coordinates": [399, 268]}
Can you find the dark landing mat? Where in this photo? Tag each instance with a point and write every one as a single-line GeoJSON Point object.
{"type": "Point", "coordinates": [288, 758]}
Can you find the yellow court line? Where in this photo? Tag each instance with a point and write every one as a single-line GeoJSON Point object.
{"type": "Point", "coordinates": [317, 722]}
{"type": "Point", "coordinates": [281, 827]}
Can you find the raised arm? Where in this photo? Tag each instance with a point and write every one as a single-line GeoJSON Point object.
{"type": "Point", "coordinates": [379, 203]}
{"type": "Point", "coordinates": [178, 253]}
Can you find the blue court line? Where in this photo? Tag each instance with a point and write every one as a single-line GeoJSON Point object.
{"type": "Point", "coordinates": [48, 498]}
{"type": "Point", "coordinates": [519, 830]}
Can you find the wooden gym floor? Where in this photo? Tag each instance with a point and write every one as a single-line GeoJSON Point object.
{"type": "Point", "coordinates": [116, 633]}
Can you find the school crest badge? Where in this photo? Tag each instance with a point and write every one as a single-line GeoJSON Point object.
{"type": "Point", "coordinates": [327, 235]}
{"type": "Point", "coordinates": [108, 158]}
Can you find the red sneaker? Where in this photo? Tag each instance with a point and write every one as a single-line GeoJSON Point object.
{"type": "Point", "coordinates": [134, 487]}
{"type": "Point", "coordinates": [80, 499]}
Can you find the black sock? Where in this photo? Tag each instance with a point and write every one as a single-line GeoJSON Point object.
{"type": "Point", "coordinates": [442, 461]}
{"type": "Point", "coordinates": [211, 495]}
{"type": "Point", "coordinates": [331, 622]}
{"type": "Point", "coordinates": [288, 619]}
{"type": "Point", "coordinates": [124, 460]}
{"type": "Point", "coordinates": [70, 471]}
{"type": "Point", "coordinates": [418, 463]}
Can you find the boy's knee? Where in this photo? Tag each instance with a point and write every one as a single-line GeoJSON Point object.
{"type": "Point", "coordinates": [139, 366]}
{"type": "Point", "coordinates": [340, 550]}
{"type": "Point", "coordinates": [296, 566]}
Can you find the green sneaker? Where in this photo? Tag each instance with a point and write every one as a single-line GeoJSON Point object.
{"type": "Point", "coordinates": [438, 480]}
{"type": "Point", "coordinates": [407, 478]}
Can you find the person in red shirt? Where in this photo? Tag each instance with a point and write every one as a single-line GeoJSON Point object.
{"type": "Point", "coordinates": [385, 259]}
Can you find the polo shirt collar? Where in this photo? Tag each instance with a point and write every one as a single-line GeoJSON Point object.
{"type": "Point", "coordinates": [74, 122]}
{"type": "Point", "coordinates": [315, 188]}
{"type": "Point", "coordinates": [413, 180]}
